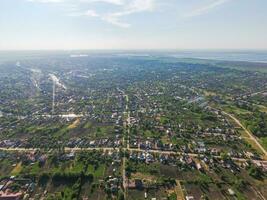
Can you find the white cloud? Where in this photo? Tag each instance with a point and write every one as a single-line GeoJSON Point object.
{"type": "Point", "coordinates": [135, 6]}
{"type": "Point", "coordinates": [88, 13]}
{"type": "Point", "coordinates": [115, 2]}
{"type": "Point", "coordinates": [206, 8]}
{"type": "Point", "coordinates": [115, 21]}
{"type": "Point", "coordinates": [126, 7]}
{"type": "Point", "coordinates": [91, 13]}
{"type": "Point", "coordinates": [47, 1]}
{"type": "Point", "coordinates": [140, 6]}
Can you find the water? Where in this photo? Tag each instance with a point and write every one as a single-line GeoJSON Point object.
{"type": "Point", "coordinates": [250, 56]}
{"type": "Point", "coordinates": [227, 55]}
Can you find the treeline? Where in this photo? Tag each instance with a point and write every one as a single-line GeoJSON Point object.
{"type": "Point", "coordinates": [59, 177]}
{"type": "Point", "coordinates": [257, 123]}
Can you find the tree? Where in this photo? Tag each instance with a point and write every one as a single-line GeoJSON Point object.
{"type": "Point", "coordinates": [240, 183]}
{"type": "Point", "coordinates": [225, 156]}
{"type": "Point", "coordinates": [255, 172]}
{"type": "Point", "coordinates": [121, 196]}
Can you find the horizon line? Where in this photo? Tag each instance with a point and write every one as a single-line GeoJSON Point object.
{"type": "Point", "coordinates": [142, 49]}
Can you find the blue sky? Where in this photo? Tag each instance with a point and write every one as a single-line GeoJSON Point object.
{"type": "Point", "coordinates": [133, 24]}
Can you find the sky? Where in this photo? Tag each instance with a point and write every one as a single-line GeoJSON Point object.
{"type": "Point", "coordinates": [133, 24]}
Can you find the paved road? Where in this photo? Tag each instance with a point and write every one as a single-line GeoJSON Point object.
{"type": "Point", "coordinates": [107, 149]}
{"type": "Point", "coordinates": [126, 125]}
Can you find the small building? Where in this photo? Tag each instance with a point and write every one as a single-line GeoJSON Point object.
{"type": "Point", "coordinates": [189, 198]}
{"type": "Point", "coordinates": [10, 196]}
{"type": "Point", "coordinates": [231, 192]}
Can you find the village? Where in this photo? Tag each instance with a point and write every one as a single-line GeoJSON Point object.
{"type": "Point", "coordinates": [121, 128]}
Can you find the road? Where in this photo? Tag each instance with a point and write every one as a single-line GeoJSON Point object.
{"type": "Point", "coordinates": [251, 136]}
{"type": "Point", "coordinates": [126, 147]}
{"type": "Point", "coordinates": [124, 180]}
{"type": "Point", "coordinates": [108, 149]}
{"type": "Point", "coordinates": [126, 126]}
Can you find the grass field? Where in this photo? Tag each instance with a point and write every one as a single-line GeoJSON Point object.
{"type": "Point", "coordinates": [246, 137]}
{"type": "Point", "coordinates": [99, 172]}
{"type": "Point", "coordinates": [263, 108]}
{"type": "Point", "coordinates": [263, 141]}
{"type": "Point", "coordinates": [17, 169]}
{"type": "Point", "coordinates": [74, 124]}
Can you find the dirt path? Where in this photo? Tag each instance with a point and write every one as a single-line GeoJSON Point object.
{"type": "Point", "coordinates": [251, 136]}
{"type": "Point", "coordinates": [179, 191]}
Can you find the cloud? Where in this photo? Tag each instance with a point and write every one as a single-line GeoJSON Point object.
{"type": "Point", "coordinates": [91, 13]}
{"type": "Point", "coordinates": [115, 2]}
{"type": "Point", "coordinates": [125, 8]}
{"type": "Point", "coordinates": [206, 8]}
{"type": "Point", "coordinates": [141, 5]}
{"type": "Point", "coordinates": [47, 1]}
{"type": "Point", "coordinates": [136, 6]}
{"type": "Point", "coordinates": [116, 14]}
{"type": "Point", "coordinates": [88, 13]}
{"type": "Point", "coordinates": [109, 18]}
{"type": "Point", "coordinates": [115, 21]}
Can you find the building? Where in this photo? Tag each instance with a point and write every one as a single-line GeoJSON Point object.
{"type": "Point", "coordinates": [10, 196]}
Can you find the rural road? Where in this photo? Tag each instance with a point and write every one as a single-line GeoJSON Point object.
{"type": "Point", "coordinates": [251, 136]}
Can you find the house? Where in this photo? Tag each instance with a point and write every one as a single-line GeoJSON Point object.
{"type": "Point", "coordinates": [231, 192]}
{"type": "Point", "coordinates": [71, 155]}
{"type": "Point", "coordinates": [10, 196]}
{"type": "Point", "coordinates": [261, 165]}
{"type": "Point", "coordinates": [189, 198]}
{"type": "Point", "coordinates": [131, 184]}
{"type": "Point", "coordinates": [135, 184]}
{"type": "Point", "coordinates": [214, 151]}
{"type": "Point", "coordinates": [92, 143]}
{"type": "Point", "coordinates": [199, 167]}
{"type": "Point", "coordinates": [42, 159]}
